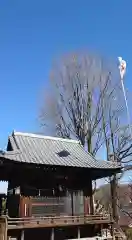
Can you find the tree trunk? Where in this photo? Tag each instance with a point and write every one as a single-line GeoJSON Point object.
{"type": "Point", "coordinates": [114, 198]}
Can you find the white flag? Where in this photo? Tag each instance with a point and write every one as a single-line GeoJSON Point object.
{"type": "Point", "coordinates": [122, 67]}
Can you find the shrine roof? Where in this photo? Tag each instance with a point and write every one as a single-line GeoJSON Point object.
{"type": "Point", "coordinates": [45, 150]}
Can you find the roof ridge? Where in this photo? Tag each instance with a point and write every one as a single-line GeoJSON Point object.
{"type": "Point", "coordinates": [33, 135]}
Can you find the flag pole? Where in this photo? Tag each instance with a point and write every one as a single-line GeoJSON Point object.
{"type": "Point", "coordinates": [122, 68]}
{"type": "Point", "coordinates": [127, 109]}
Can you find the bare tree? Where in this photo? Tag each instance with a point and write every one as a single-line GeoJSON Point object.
{"type": "Point", "coordinates": [86, 102]}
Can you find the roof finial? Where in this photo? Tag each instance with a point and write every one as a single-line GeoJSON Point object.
{"type": "Point", "coordinates": [13, 132]}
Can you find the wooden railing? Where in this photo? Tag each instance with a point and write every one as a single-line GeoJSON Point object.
{"type": "Point", "coordinates": [36, 222]}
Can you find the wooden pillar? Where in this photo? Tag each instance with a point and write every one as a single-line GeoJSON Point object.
{"type": "Point", "coordinates": [72, 203]}
{"type": "Point", "coordinates": [78, 233]}
{"type": "Point", "coordinates": [86, 205]}
{"type": "Point", "coordinates": [91, 199]}
{"type": "Point", "coordinates": [3, 228]}
{"type": "Point", "coordinates": [22, 235]}
{"type": "Point", "coordinates": [88, 193]}
{"type": "Point", "coordinates": [52, 234]}
{"type": "Point", "coordinates": [91, 205]}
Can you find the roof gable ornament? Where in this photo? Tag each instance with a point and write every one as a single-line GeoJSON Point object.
{"type": "Point", "coordinates": [63, 153]}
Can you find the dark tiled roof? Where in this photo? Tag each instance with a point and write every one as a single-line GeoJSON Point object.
{"type": "Point", "coordinates": [39, 149]}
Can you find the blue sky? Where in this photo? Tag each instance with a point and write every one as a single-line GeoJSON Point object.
{"type": "Point", "coordinates": [33, 33]}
